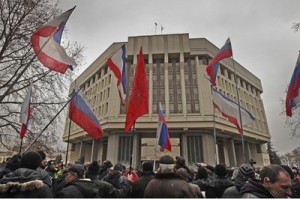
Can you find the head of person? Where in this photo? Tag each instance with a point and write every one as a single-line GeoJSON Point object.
{"type": "Point", "coordinates": [74, 173]}
{"type": "Point", "coordinates": [276, 180]}
{"type": "Point", "coordinates": [147, 166]}
{"type": "Point", "coordinates": [245, 172]}
{"type": "Point", "coordinates": [44, 161]}
{"type": "Point", "coordinates": [30, 160]}
{"type": "Point", "coordinates": [295, 171]}
{"type": "Point", "coordinates": [183, 174]}
{"type": "Point", "coordinates": [93, 169]}
{"type": "Point", "coordinates": [13, 163]}
{"type": "Point", "coordinates": [166, 164]}
{"type": "Point", "coordinates": [220, 170]}
{"type": "Point", "coordinates": [51, 165]}
{"type": "Point", "coordinates": [202, 173]}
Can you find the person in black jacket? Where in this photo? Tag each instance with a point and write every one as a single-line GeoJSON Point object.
{"type": "Point", "coordinates": [76, 186]}
{"type": "Point", "coordinates": [275, 182]}
{"type": "Point", "coordinates": [25, 182]}
{"type": "Point", "coordinates": [141, 183]}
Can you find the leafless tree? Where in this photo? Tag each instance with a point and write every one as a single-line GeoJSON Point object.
{"type": "Point", "coordinates": [18, 20]}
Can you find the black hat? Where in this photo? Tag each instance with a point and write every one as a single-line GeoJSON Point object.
{"type": "Point", "coordinates": [50, 162]}
{"type": "Point", "coordinates": [220, 170]}
{"type": "Point", "coordinates": [94, 167]}
{"type": "Point", "coordinates": [43, 154]}
{"type": "Point", "coordinates": [166, 159]}
{"type": "Point", "coordinates": [31, 160]}
{"type": "Point", "coordinates": [119, 167]}
{"type": "Point", "coordinates": [247, 171]}
{"type": "Point", "coordinates": [147, 166]}
{"type": "Point", "coordinates": [107, 164]}
{"type": "Point", "coordinates": [77, 168]}
{"type": "Point", "coordinates": [13, 163]}
{"type": "Point", "coordinates": [288, 170]}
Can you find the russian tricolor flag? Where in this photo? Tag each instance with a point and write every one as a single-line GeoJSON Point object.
{"type": "Point", "coordinates": [230, 110]}
{"type": "Point", "coordinates": [213, 65]}
{"type": "Point", "coordinates": [25, 112]}
{"type": "Point", "coordinates": [117, 64]}
{"type": "Point", "coordinates": [292, 97]}
{"type": "Point", "coordinates": [162, 131]}
{"type": "Point", "coordinates": [81, 113]}
{"type": "Point", "coordinates": [46, 44]}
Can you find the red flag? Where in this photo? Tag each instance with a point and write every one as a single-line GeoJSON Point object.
{"type": "Point", "coordinates": [138, 100]}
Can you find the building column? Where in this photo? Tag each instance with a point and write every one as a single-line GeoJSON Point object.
{"type": "Point", "coordinates": [112, 148]}
{"type": "Point", "coordinates": [183, 146]}
{"type": "Point", "coordinates": [80, 150]}
{"type": "Point", "coordinates": [231, 153]}
{"type": "Point", "coordinates": [208, 149]}
{"type": "Point", "coordinates": [226, 152]}
{"type": "Point", "coordinates": [248, 151]}
{"type": "Point", "coordinates": [136, 153]}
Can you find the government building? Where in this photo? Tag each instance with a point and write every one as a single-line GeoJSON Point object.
{"type": "Point", "coordinates": [175, 68]}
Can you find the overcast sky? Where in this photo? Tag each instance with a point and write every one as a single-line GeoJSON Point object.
{"type": "Point", "coordinates": [260, 32]}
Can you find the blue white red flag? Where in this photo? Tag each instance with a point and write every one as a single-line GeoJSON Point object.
{"type": "Point", "coordinates": [230, 110]}
{"type": "Point", "coordinates": [162, 131]}
{"type": "Point", "coordinates": [25, 112]}
{"type": "Point", "coordinates": [81, 113]}
{"type": "Point", "coordinates": [213, 65]}
{"type": "Point", "coordinates": [117, 64]}
{"type": "Point", "coordinates": [292, 97]}
{"type": "Point", "coordinates": [46, 44]}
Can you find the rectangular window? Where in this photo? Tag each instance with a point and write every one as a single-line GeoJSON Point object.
{"type": "Point", "coordinates": [124, 149]}
{"type": "Point", "coordinates": [258, 148]}
{"type": "Point", "coordinates": [195, 152]}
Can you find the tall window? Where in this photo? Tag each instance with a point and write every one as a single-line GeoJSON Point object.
{"type": "Point", "coordinates": [124, 148]}
{"type": "Point", "coordinates": [195, 152]}
{"type": "Point", "coordinates": [158, 83]}
{"type": "Point", "coordinates": [174, 86]}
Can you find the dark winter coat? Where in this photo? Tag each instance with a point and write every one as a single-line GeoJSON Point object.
{"type": "Point", "coordinates": [254, 189]}
{"type": "Point", "coordinates": [120, 183]}
{"type": "Point", "coordinates": [24, 183]}
{"type": "Point", "coordinates": [168, 185]}
{"type": "Point", "coordinates": [106, 190]}
{"type": "Point", "coordinates": [217, 187]}
{"type": "Point", "coordinates": [45, 176]}
{"type": "Point", "coordinates": [234, 191]}
{"type": "Point", "coordinates": [140, 185]}
{"type": "Point", "coordinates": [83, 188]}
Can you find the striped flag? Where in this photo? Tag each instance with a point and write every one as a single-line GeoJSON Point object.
{"type": "Point", "coordinates": [162, 131]}
{"type": "Point", "coordinates": [25, 112]}
{"type": "Point", "coordinates": [117, 64]}
{"type": "Point", "coordinates": [230, 110]}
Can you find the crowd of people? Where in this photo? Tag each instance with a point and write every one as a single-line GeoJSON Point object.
{"type": "Point", "coordinates": [30, 176]}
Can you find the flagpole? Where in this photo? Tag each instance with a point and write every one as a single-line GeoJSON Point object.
{"type": "Point", "coordinates": [215, 133]}
{"type": "Point", "coordinates": [130, 160]}
{"type": "Point", "coordinates": [52, 120]}
{"type": "Point", "coordinates": [70, 122]}
{"type": "Point", "coordinates": [156, 143]}
{"type": "Point", "coordinates": [21, 146]}
{"type": "Point", "coordinates": [240, 114]}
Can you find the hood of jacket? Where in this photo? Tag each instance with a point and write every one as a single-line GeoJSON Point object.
{"type": "Point", "coordinates": [256, 189]}
{"type": "Point", "coordinates": [88, 188]}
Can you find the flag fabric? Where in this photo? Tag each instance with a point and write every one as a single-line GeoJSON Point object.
{"type": "Point", "coordinates": [81, 113]}
{"type": "Point", "coordinates": [162, 131]}
{"type": "Point", "coordinates": [230, 110]}
{"type": "Point", "coordinates": [25, 112]}
{"type": "Point", "coordinates": [292, 97]}
{"type": "Point", "coordinates": [213, 65]}
{"type": "Point", "coordinates": [117, 64]}
{"type": "Point", "coordinates": [138, 100]}
{"type": "Point", "coordinates": [46, 44]}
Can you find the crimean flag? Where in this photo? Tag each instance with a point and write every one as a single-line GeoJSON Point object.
{"type": "Point", "coordinates": [117, 64]}
{"type": "Point", "coordinates": [213, 65]}
{"type": "Point", "coordinates": [81, 113]}
{"type": "Point", "coordinates": [25, 112]}
{"type": "Point", "coordinates": [162, 131]}
{"type": "Point", "coordinates": [292, 97]}
{"type": "Point", "coordinates": [46, 44]}
{"type": "Point", "coordinates": [138, 100]}
{"type": "Point", "coordinates": [230, 110]}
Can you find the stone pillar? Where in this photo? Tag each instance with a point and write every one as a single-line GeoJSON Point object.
{"type": "Point", "coordinates": [208, 149]}
{"type": "Point", "coordinates": [226, 152]}
{"type": "Point", "coordinates": [112, 148]}
{"type": "Point", "coordinates": [231, 153]}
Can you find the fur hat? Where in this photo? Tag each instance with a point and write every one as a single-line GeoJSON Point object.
{"type": "Point", "coordinates": [77, 168]}
{"type": "Point", "coordinates": [13, 163]}
{"type": "Point", "coordinates": [31, 160]}
{"type": "Point", "coordinates": [147, 166]}
{"type": "Point", "coordinates": [220, 170]}
{"type": "Point", "coordinates": [247, 171]}
{"type": "Point", "coordinates": [94, 167]}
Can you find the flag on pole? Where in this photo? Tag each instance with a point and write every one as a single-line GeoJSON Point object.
{"type": "Point", "coordinates": [213, 65]}
{"type": "Point", "coordinates": [25, 112]}
{"type": "Point", "coordinates": [138, 100]}
{"type": "Point", "coordinates": [81, 113]}
{"type": "Point", "coordinates": [117, 64]}
{"type": "Point", "coordinates": [46, 44]}
{"type": "Point", "coordinates": [162, 131]}
{"type": "Point", "coordinates": [230, 110]}
{"type": "Point", "coordinates": [292, 97]}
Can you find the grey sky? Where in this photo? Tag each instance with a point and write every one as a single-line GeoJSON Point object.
{"type": "Point", "coordinates": [260, 32]}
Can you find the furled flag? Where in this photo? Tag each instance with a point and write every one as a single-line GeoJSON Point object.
{"type": "Point", "coordinates": [138, 100]}
{"type": "Point", "coordinates": [46, 44]}
{"type": "Point", "coordinates": [81, 113]}
{"type": "Point", "coordinates": [230, 110]}
{"type": "Point", "coordinates": [117, 64]}
{"type": "Point", "coordinates": [213, 65]}
{"type": "Point", "coordinates": [292, 97]}
{"type": "Point", "coordinates": [25, 112]}
{"type": "Point", "coordinates": [162, 131]}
